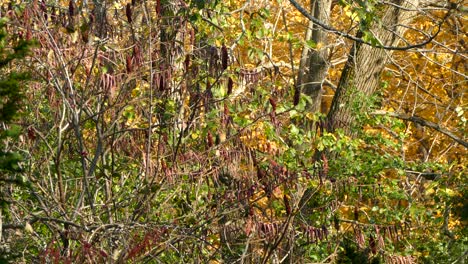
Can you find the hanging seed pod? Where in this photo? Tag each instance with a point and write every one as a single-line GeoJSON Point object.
{"type": "Point", "coordinates": [158, 7]}
{"type": "Point", "coordinates": [85, 36]}
{"type": "Point", "coordinates": [71, 8]}
{"type": "Point", "coordinates": [356, 213]}
{"type": "Point", "coordinates": [224, 57]}
{"type": "Point", "coordinates": [26, 17]}
{"type": "Point", "coordinates": [91, 19]}
{"type": "Point", "coordinates": [226, 118]}
{"type": "Point", "coordinates": [286, 204]}
{"type": "Point", "coordinates": [372, 244]}
{"type": "Point", "coordinates": [336, 223]}
{"type": "Point", "coordinates": [318, 235]}
{"type": "Point", "coordinates": [187, 62]}
{"type": "Point", "coordinates": [31, 133]}
{"type": "Point", "coordinates": [53, 16]}
{"type": "Point", "coordinates": [380, 242]}
{"type": "Point", "coordinates": [44, 9]}
{"type": "Point", "coordinates": [396, 232]}
{"type": "Point", "coordinates": [128, 12]}
{"type": "Point", "coordinates": [390, 233]}
{"type": "Point", "coordinates": [229, 86]}
{"type": "Point", "coordinates": [28, 34]}
{"type": "Point", "coordinates": [210, 139]}
{"type": "Point", "coordinates": [325, 231]}
{"type": "Point", "coordinates": [129, 64]}
{"type": "Point", "coordinates": [209, 94]}
{"type": "Point", "coordinates": [272, 103]}
{"type": "Point", "coordinates": [162, 83]}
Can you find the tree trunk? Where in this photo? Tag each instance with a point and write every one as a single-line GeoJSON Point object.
{"type": "Point", "coordinates": [360, 78]}
{"type": "Point", "coordinates": [313, 65]}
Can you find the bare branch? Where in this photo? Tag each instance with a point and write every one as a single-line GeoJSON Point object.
{"type": "Point", "coordinates": [360, 40]}
{"type": "Point", "coordinates": [424, 122]}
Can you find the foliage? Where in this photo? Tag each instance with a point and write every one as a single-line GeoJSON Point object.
{"type": "Point", "coordinates": [168, 131]}
{"type": "Point", "coordinates": [11, 95]}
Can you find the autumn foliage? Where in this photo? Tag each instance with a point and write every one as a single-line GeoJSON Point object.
{"type": "Point", "coordinates": [177, 132]}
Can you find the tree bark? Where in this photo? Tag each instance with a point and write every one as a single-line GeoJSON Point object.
{"type": "Point", "coordinates": [314, 65]}
{"type": "Point", "coordinates": [360, 77]}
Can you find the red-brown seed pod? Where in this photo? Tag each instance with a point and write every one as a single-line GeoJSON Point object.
{"type": "Point", "coordinates": [325, 231]}
{"type": "Point", "coordinates": [260, 173]}
{"type": "Point", "coordinates": [128, 12]}
{"type": "Point", "coordinates": [226, 110]}
{"type": "Point", "coordinates": [162, 83]}
{"type": "Point", "coordinates": [209, 138]}
{"type": "Point", "coordinates": [187, 62]}
{"type": "Point", "coordinates": [286, 204]}
{"type": "Point", "coordinates": [336, 223]}
{"type": "Point", "coordinates": [44, 9]}
{"type": "Point", "coordinates": [372, 244]}
{"type": "Point", "coordinates": [136, 55]}
{"type": "Point", "coordinates": [356, 213]}
{"type": "Point", "coordinates": [224, 57]}
{"type": "Point", "coordinates": [136, 51]}
{"type": "Point", "coordinates": [272, 103]}
{"type": "Point", "coordinates": [28, 34]}
{"type": "Point", "coordinates": [85, 36]}
{"type": "Point", "coordinates": [26, 17]}
{"type": "Point", "coordinates": [229, 86]}
{"type": "Point", "coordinates": [129, 64]}
{"type": "Point", "coordinates": [158, 7]}
{"type": "Point", "coordinates": [209, 94]}
{"type": "Point", "coordinates": [71, 8]}
{"type": "Point", "coordinates": [31, 133]}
